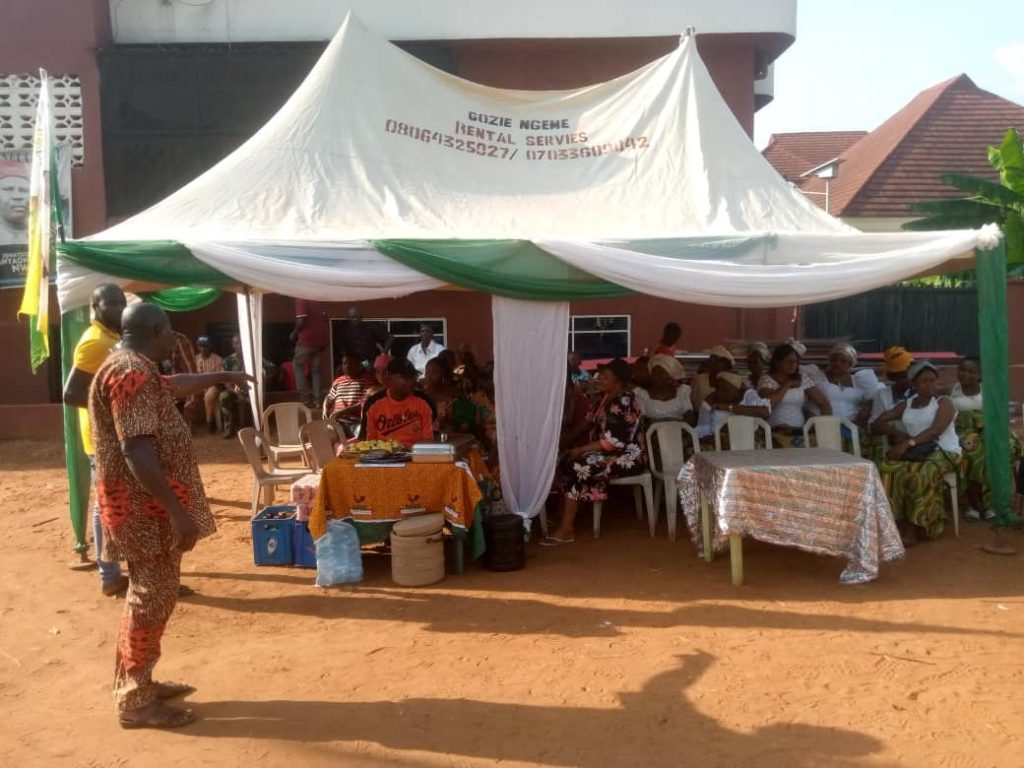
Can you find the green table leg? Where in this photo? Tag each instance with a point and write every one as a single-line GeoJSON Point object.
{"type": "Point", "coordinates": [736, 558]}
{"type": "Point", "coordinates": [460, 537]}
{"type": "Point", "coordinates": [459, 550]}
{"type": "Point", "coordinates": [705, 521]}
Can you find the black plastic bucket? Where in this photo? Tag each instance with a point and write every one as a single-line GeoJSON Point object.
{"type": "Point", "coordinates": [506, 544]}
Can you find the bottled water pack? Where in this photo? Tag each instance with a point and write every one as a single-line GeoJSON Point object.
{"type": "Point", "coordinates": [338, 557]}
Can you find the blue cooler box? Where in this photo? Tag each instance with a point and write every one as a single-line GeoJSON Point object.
{"type": "Point", "coordinates": [273, 530]}
{"type": "Point", "coordinates": [303, 548]}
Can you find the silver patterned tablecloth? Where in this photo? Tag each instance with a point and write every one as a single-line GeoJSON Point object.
{"type": "Point", "coordinates": [818, 500]}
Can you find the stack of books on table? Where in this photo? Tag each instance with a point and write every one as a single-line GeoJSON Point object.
{"type": "Point", "coordinates": [433, 453]}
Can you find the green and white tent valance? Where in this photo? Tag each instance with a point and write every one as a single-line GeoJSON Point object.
{"type": "Point", "coordinates": [744, 271]}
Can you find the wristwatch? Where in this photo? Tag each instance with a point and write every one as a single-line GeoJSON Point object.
{"type": "Point", "coordinates": [911, 442]}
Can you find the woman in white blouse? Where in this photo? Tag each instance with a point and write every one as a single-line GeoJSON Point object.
{"type": "Point", "coordinates": [914, 483]}
{"type": "Point", "coordinates": [789, 393]}
{"type": "Point", "coordinates": [848, 400]}
{"type": "Point", "coordinates": [665, 397]}
{"type": "Point", "coordinates": [729, 397]}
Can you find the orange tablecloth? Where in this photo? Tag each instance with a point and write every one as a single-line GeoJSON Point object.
{"type": "Point", "coordinates": [388, 494]}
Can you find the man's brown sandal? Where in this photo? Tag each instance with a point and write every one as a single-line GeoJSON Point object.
{"type": "Point", "coordinates": [160, 716]}
{"type": "Point", "coordinates": [173, 690]}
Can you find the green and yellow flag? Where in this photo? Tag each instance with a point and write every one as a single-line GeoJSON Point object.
{"type": "Point", "coordinates": [36, 298]}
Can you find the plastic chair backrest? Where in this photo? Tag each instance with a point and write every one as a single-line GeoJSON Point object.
{"type": "Point", "coordinates": [743, 433]}
{"type": "Point", "coordinates": [283, 421]}
{"type": "Point", "coordinates": [318, 442]}
{"type": "Point", "coordinates": [828, 433]}
{"type": "Point", "coordinates": [667, 454]}
{"type": "Point", "coordinates": [251, 439]}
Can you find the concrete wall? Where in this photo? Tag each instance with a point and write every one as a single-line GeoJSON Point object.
{"type": "Point", "coordinates": [271, 20]}
{"type": "Point", "coordinates": [564, 64]}
{"type": "Point", "coordinates": [30, 38]}
{"type": "Point", "coordinates": [62, 37]}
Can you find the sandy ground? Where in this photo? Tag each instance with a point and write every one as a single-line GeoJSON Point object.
{"type": "Point", "coordinates": [623, 651]}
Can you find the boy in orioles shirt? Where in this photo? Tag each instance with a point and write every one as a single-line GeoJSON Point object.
{"type": "Point", "coordinates": [397, 412]}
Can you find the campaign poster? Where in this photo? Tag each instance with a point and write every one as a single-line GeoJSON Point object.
{"type": "Point", "coordinates": [15, 171]}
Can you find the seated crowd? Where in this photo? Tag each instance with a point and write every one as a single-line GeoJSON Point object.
{"type": "Point", "coordinates": [431, 391]}
{"type": "Point", "coordinates": [916, 433]}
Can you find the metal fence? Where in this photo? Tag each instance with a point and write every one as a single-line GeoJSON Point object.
{"type": "Point", "coordinates": [918, 318]}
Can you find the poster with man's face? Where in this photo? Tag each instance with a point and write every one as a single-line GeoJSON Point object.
{"type": "Point", "coordinates": [15, 170]}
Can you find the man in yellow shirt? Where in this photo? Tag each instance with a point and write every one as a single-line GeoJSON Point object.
{"type": "Point", "coordinates": [108, 302]}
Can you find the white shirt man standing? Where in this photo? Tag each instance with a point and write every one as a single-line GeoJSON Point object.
{"type": "Point", "coordinates": [425, 350]}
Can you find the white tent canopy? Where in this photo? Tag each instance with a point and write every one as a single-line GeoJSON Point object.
{"type": "Point", "coordinates": [646, 182]}
{"type": "Point", "coordinates": [377, 145]}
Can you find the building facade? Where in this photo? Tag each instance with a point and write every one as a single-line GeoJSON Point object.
{"type": "Point", "coordinates": [158, 91]}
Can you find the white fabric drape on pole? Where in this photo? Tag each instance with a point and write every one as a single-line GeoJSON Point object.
{"type": "Point", "coordinates": [531, 341]}
{"type": "Point", "coordinates": [250, 333]}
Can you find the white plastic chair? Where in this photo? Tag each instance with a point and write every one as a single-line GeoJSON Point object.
{"type": "Point", "coordinates": [253, 442]}
{"type": "Point", "coordinates": [642, 482]}
{"type": "Point", "coordinates": [281, 423]}
{"type": "Point", "coordinates": [954, 502]}
{"type": "Point", "coordinates": [665, 462]}
{"type": "Point", "coordinates": [828, 433]}
{"type": "Point", "coordinates": [743, 433]}
{"type": "Point", "coordinates": [318, 442]}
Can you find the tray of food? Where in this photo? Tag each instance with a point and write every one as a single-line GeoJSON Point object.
{"type": "Point", "coordinates": [372, 450]}
{"type": "Point", "coordinates": [380, 456]}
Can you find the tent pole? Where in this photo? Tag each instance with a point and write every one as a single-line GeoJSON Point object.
{"type": "Point", "coordinates": [250, 331]}
{"type": "Point", "coordinates": [72, 326]}
{"type": "Point", "coordinates": [994, 342]}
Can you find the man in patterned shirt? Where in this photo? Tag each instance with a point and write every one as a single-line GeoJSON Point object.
{"type": "Point", "coordinates": [152, 503]}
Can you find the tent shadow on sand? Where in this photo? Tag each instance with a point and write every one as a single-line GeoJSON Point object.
{"type": "Point", "coordinates": [654, 726]}
{"type": "Point", "coordinates": [454, 613]}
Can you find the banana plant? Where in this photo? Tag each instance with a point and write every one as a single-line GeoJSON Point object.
{"type": "Point", "coordinates": [988, 202]}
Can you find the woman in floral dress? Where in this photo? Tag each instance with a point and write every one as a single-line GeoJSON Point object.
{"type": "Point", "coordinates": [614, 449]}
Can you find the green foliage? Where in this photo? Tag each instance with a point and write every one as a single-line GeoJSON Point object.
{"type": "Point", "coordinates": [1008, 159]}
{"type": "Point", "coordinates": [988, 203]}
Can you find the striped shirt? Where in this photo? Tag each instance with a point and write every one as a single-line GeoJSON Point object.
{"type": "Point", "coordinates": [345, 392]}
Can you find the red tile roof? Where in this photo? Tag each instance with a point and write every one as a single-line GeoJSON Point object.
{"type": "Point", "coordinates": [948, 127]}
{"type": "Point", "coordinates": [794, 153]}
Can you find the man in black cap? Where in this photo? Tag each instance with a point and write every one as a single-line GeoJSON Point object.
{"type": "Point", "coordinates": [399, 412]}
